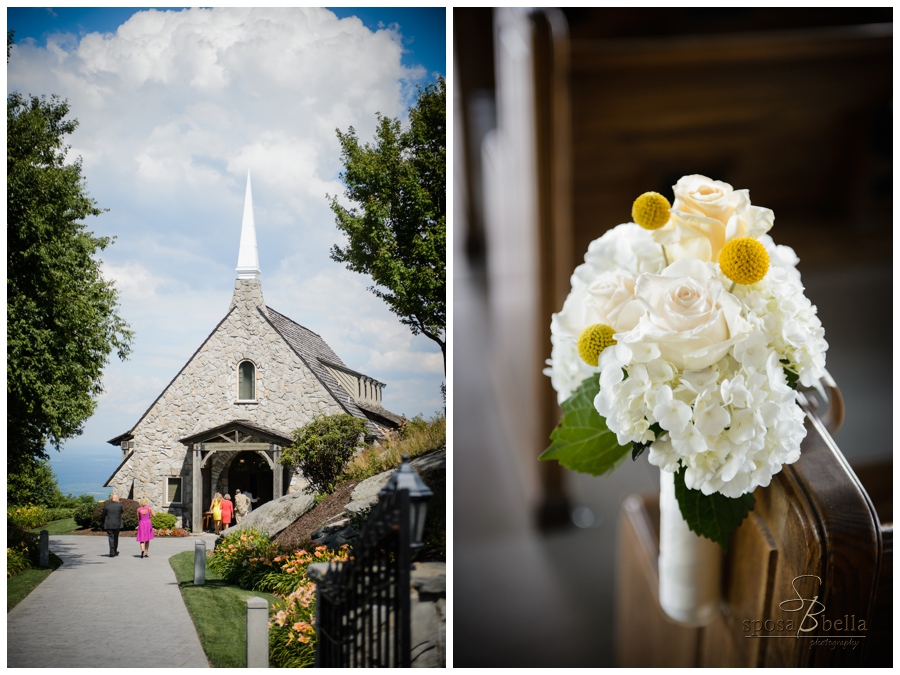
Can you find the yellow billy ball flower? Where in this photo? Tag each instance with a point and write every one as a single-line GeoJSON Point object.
{"type": "Point", "coordinates": [651, 211]}
{"type": "Point", "coordinates": [744, 261]}
{"type": "Point", "coordinates": [593, 340]}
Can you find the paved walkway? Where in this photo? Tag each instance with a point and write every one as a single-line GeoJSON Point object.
{"type": "Point", "coordinates": [101, 612]}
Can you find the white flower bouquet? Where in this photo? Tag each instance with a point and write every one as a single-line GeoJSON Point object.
{"type": "Point", "coordinates": [685, 334]}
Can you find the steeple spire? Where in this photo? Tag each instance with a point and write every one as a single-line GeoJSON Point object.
{"type": "Point", "coordinates": [248, 255]}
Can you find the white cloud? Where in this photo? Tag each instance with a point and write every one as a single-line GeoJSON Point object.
{"type": "Point", "coordinates": [359, 326]}
{"type": "Point", "coordinates": [173, 109]}
{"type": "Point", "coordinates": [407, 361]}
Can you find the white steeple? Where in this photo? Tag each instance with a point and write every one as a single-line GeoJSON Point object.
{"type": "Point", "coordinates": [248, 256]}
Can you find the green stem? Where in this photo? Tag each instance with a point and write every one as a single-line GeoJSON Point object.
{"type": "Point", "coordinates": [665, 257]}
{"type": "Point", "coordinates": [733, 284]}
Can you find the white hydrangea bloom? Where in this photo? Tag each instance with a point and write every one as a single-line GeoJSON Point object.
{"type": "Point", "coordinates": [598, 296]}
{"type": "Point", "coordinates": [733, 425]}
{"type": "Point", "coordinates": [778, 307]}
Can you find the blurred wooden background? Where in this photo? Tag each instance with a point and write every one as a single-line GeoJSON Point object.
{"type": "Point", "coordinates": [793, 104]}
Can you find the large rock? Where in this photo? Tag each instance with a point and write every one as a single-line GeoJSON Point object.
{"type": "Point", "coordinates": [365, 495]}
{"type": "Point", "coordinates": [340, 530]}
{"type": "Point", "coordinates": [275, 516]}
{"type": "Point", "coordinates": [428, 615]}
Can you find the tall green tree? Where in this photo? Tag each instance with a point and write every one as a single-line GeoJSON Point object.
{"type": "Point", "coordinates": [36, 485]}
{"type": "Point", "coordinates": [61, 314]}
{"type": "Point", "coordinates": [397, 228]}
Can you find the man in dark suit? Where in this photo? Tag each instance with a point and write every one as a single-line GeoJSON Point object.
{"type": "Point", "coordinates": [111, 517]}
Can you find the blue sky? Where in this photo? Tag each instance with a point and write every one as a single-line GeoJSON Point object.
{"type": "Point", "coordinates": [174, 107]}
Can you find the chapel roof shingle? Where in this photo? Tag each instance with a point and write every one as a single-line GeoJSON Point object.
{"type": "Point", "coordinates": [316, 354]}
{"type": "Point", "coordinates": [379, 411]}
{"type": "Point", "coordinates": [312, 349]}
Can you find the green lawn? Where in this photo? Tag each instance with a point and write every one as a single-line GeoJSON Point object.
{"type": "Point", "coordinates": [26, 581]}
{"type": "Point", "coordinates": [65, 526]}
{"type": "Point", "coordinates": [219, 612]}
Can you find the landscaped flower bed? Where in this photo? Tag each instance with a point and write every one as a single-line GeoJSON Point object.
{"type": "Point", "coordinates": [27, 517]}
{"type": "Point", "coordinates": [22, 549]}
{"type": "Point", "coordinates": [249, 559]}
{"type": "Point", "coordinates": [171, 532]}
{"type": "Point", "coordinates": [16, 561]}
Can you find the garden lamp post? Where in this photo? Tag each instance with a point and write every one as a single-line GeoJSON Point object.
{"type": "Point", "coordinates": [406, 478]}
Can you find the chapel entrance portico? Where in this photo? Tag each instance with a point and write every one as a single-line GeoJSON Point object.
{"type": "Point", "coordinates": [215, 452]}
{"type": "Point", "coordinates": [248, 471]}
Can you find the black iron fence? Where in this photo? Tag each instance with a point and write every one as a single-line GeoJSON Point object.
{"type": "Point", "coordinates": [363, 605]}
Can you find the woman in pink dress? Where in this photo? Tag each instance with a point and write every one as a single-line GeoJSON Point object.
{"type": "Point", "coordinates": [145, 527]}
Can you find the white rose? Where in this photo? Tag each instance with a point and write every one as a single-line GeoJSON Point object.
{"type": "Point", "coordinates": [706, 215]}
{"type": "Point", "coordinates": [689, 316]}
{"type": "Point", "coordinates": [608, 300]}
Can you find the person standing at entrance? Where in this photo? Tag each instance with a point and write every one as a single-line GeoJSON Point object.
{"type": "Point", "coordinates": [241, 505]}
{"type": "Point", "coordinates": [251, 500]}
{"type": "Point", "coordinates": [111, 517]}
{"type": "Point", "coordinates": [216, 508]}
{"type": "Point", "coordinates": [145, 527]}
{"type": "Point", "coordinates": [227, 510]}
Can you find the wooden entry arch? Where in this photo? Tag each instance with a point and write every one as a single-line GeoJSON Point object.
{"type": "Point", "coordinates": [235, 436]}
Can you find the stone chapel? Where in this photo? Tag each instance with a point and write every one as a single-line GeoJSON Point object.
{"type": "Point", "coordinates": [223, 420]}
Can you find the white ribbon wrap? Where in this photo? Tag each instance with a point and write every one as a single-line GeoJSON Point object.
{"type": "Point", "coordinates": [689, 565]}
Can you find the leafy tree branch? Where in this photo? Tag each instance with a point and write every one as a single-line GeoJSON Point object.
{"type": "Point", "coordinates": [396, 228]}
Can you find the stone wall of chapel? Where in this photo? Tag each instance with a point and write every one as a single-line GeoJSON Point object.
{"type": "Point", "coordinates": [203, 395]}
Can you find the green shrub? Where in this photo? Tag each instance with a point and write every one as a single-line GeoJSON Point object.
{"type": "Point", "coordinates": [129, 515]}
{"type": "Point", "coordinates": [61, 513]}
{"type": "Point", "coordinates": [414, 437]}
{"type": "Point", "coordinates": [322, 449]}
{"type": "Point", "coordinates": [242, 556]}
{"type": "Point", "coordinates": [163, 521]}
{"type": "Point", "coordinates": [16, 561]}
{"type": "Point", "coordinates": [27, 517]}
{"type": "Point", "coordinates": [84, 511]}
{"type": "Point", "coordinates": [18, 538]}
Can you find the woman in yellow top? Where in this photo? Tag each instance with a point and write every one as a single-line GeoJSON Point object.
{"type": "Point", "coordinates": [216, 508]}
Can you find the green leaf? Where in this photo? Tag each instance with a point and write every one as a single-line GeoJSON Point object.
{"type": "Point", "coordinates": [712, 516]}
{"type": "Point", "coordinates": [394, 216]}
{"type": "Point", "coordinates": [637, 449]}
{"type": "Point", "coordinates": [582, 442]}
{"type": "Point", "coordinates": [789, 374]}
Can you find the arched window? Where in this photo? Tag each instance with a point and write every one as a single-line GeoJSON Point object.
{"type": "Point", "coordinates": [246, 381]}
